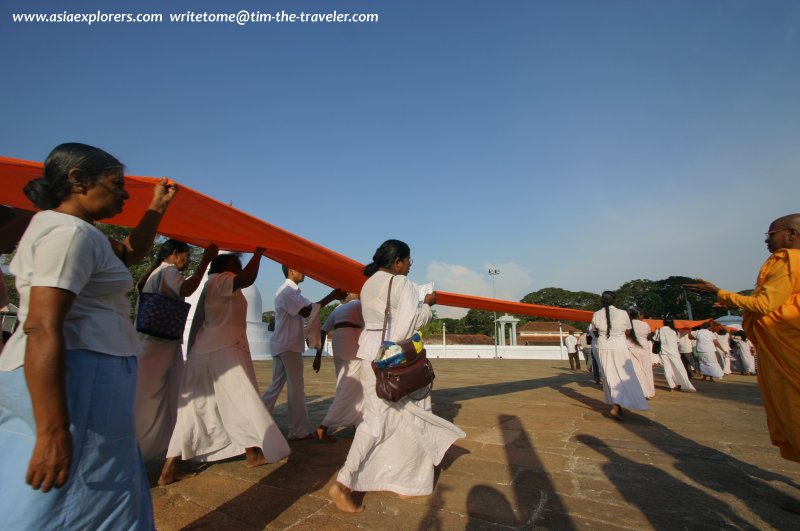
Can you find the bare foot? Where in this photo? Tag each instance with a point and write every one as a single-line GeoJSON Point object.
{"type": "Point", "coordinates": [170, 473]}
{"type": "Point", "coordinates": [341, 496]}
{"type": "Point", "coordinates": [321, 434]}
{"type": "Point", "coordinates": [405, 496]}
{"type": "Point", "coordinates": [615, 412]}
{"type": "Point", "coordinates": [254, 457]}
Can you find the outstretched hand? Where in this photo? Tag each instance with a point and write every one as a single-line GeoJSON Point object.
{"type": "Point", "coordinates": [702, 286]}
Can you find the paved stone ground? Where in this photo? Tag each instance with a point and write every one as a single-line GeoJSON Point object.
{"type": "Point", "coordinates": [540, 452]}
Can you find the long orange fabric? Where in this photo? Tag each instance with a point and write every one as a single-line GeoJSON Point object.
{"type": "Point", "coordinates": [772, 323]}
{"type": "Point", "coordinates": [200, 220]}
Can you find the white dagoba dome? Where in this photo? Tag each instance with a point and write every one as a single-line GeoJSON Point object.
{"type": "Point", "coordinates": [258, 334]}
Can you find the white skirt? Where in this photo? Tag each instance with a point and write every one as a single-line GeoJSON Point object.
{"type": "Point", "coordinates": [397, 444]}
{"type": "Point", "coordinates": [220, 412]}
{"type": "Point", "coordinates": [158, 386]}
{"type": "Point", "coordinates": [643, 365]}
{"type": "Point", "coordinates": [675, 373]}
{"type": "Point", "coordinates": [622, 386]}
{"type": "Point", "coordinates": [709, 365]}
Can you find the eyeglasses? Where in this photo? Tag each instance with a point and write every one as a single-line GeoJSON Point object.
{"type": "Point", "coordinates": [410, 261]}
{"type": "Point", "coordinates": [770, 233]}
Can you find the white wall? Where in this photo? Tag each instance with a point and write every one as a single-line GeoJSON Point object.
{"type": "Point", "coordinates": [503, 351]}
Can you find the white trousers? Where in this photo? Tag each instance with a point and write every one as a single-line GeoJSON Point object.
{"type": "Point", "coordinates": [287, 368]}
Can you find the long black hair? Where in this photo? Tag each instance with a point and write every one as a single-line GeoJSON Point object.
{"type": "Point", "coordinates": [633, 313]}
{"type": "Point", "coordinates": [166, 249]}
{"type": "Point", "coordinates": [608, 298]}
{"type": "Point", "coordinates": [50, 190]}
{"type": "Point", "coordinates": [386, 255]}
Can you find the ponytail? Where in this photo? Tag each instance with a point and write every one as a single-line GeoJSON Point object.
{"type": "Point", "coordinates": [370, 269]}
{"type": "Point", "coordinates": [608, 298]}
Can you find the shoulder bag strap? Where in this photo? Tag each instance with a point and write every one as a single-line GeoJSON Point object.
{"type": "Point", "coordinates": [387, 310]}
{"type": "Point", "coordinates": [158, 282]}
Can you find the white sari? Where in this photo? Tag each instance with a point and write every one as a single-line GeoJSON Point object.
{"type": "Point", "coordinates": [398, 443]}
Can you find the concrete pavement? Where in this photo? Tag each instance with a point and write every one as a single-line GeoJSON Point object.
{"type": "Point", "coordinates": [540, 452]}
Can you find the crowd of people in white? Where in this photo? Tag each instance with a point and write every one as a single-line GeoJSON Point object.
{"type": "Point", "coordinates": [621, 349]}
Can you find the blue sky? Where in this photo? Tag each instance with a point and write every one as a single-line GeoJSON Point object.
{"type": "Point", "coordinates": [576, 144]}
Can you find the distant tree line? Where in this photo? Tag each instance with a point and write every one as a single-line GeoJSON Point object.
{"type": "Point", "coordinates": [656, 299]}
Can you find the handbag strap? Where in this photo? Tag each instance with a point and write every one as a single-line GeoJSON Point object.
{"type": "Point", "coordinates": [387, 311]}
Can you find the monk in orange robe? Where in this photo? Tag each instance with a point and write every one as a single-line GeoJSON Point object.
{"type": "Point", "coordinates": [772, 320]}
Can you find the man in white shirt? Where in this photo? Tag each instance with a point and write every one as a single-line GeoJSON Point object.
{"type": "Point", "coordinates": [287, 345]}
{"type": "Point", "coordinates": [571, 343]}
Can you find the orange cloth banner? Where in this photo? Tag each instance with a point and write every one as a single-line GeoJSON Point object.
{"type": "Point", "coordinates": [200, 220]}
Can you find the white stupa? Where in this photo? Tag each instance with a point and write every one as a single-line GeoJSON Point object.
{"type": "Point", "coordinates": [257, 333]}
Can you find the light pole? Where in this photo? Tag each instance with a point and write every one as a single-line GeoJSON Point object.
{"type": "Point", "coordinates": [493, 273]}
{"type": "Point", "coordinates": [688, 304]}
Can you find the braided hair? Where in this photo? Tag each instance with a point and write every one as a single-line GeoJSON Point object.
{"type": "Point", "coordinates": [608, 298]}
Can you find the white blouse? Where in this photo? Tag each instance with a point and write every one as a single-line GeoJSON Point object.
{"type": "Point", "coordinates": [63, 251]}
{"type": "Point", "coordinates": [222, 316]}
{"type": "Point", "coordinates": [620, 323]}
{"type": "Point", "coordinates": [407, 314]}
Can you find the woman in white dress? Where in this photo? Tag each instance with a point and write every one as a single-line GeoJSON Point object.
{"type": "Point", "coordinates": [707, 346]}
{"type": "Point", "coordinates": [161, 364]}
{"type": "Point", "coordinates": [674, 370]}
{"type": "Point", "coordinates": [641, 352]}
{"type": "Point", "coordinates": [397, 444]}
{"type": "Point", "coordinates": [220, 412]}
{"type": "Point", "coordinates": [744, 350]}
{"type": "Point", "coordinates": [724, 352]}
{"type": "Point", "coordinates": [621, 385]}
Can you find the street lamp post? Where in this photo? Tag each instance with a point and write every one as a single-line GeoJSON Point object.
{"type": "Point", "coordinates": [688, 305]}
{"type": "Point", "coordinates": [493, 273]}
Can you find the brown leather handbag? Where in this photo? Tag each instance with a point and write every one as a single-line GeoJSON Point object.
{"type": "Point", "coordinates": [411, 378]}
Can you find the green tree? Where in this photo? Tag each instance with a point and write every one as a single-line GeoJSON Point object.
{"type": "Point", "coordinates": [666, 298]}
{"type": "Point", "coordinates": [325, 311]}
{"type": "Point", "coordinates": [476, 322]}
{"type": "Point", "coordinates": [269, 318]}
{"type": "Point", "coordinates": [562, 298]}
{"type": "Point", "coordinates": [648, 296]}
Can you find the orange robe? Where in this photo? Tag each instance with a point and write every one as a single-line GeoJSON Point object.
{"type": "Point", "coordinates": [772, 322]}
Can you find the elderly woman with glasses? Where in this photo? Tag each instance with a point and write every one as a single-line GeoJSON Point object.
{"type": "Point", "coordinates": [68, 374]}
